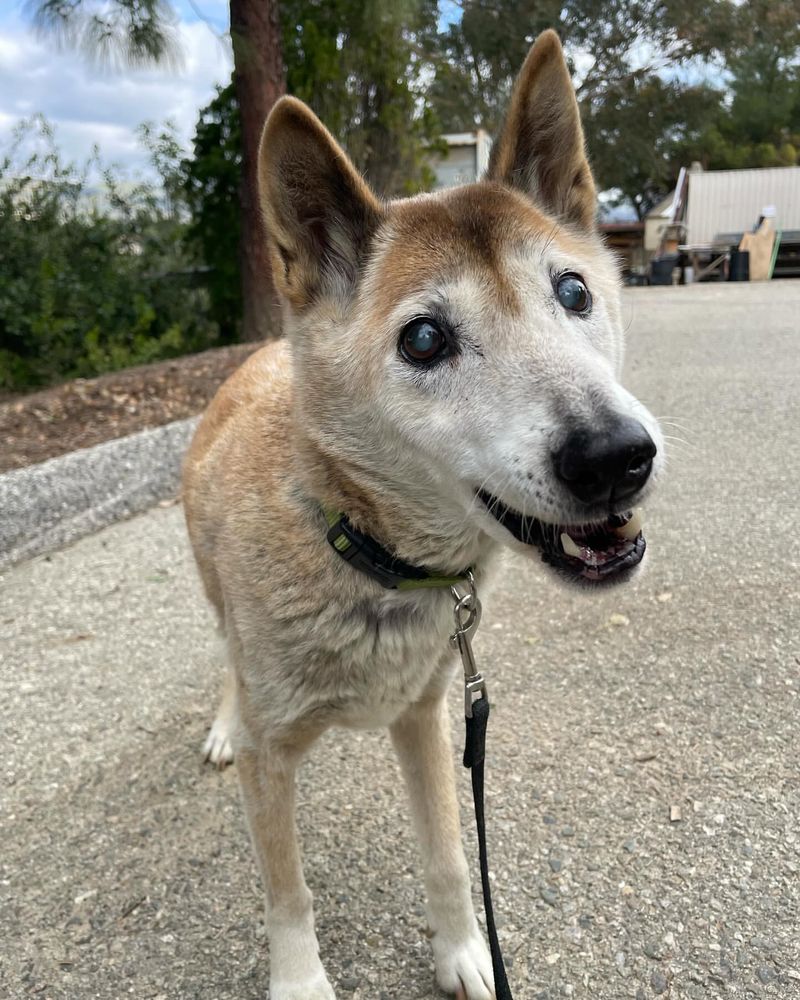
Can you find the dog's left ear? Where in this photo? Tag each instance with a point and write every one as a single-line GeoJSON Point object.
{"type": "Point", "coordinates": [540, 149]}
{"type": "Point", "coordinates": [320, 214]}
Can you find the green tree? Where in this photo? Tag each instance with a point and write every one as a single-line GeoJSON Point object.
{"type": "Point", "coordinates": [644, 132]}
{"type": "Point", "coordinates": [641, 120]}
{"type": "Point", "coordinates": [608, 42]}
{"type": "Point", "coordinates": [481, 54]}
{"type": "Point", "coordinates": [759, 124]}
{"type": "Point", "coordinates": [121, 32]}
{"type": "Point", "coordinates": [361, 67]}
{"type": "Point", "coordinates": [143, 32]}
{"type": "Point", "coordinates": [211, 178]}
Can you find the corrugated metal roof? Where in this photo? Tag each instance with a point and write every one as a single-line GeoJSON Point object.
{"type": "Point", "coordinates": [727, 201]}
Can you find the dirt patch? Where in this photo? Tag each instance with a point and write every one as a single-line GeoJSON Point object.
{"type": "Point", "coordinates": [86, 412]}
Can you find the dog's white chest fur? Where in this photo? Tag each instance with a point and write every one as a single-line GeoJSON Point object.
{"type": "Point", "coordinates": [361, 663]}
{"type": "Point", "coordinates": [392, 652]}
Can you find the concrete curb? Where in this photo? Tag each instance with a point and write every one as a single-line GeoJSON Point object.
{"type": "Point", "coordinates": [46, 506]}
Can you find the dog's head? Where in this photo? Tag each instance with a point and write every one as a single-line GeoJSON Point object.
{"type": "Point", "coordinates": [458, 354]}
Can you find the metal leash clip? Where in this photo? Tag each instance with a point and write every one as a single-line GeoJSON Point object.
{"type": "Point", "coordinates": [467, 614]}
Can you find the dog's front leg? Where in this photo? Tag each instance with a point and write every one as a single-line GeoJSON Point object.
{"type": "Point", "coordinates": [267, 777]}
{"type": "Point", "coordinates": [422, 740]}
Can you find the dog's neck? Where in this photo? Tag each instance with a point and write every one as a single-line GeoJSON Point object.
{"type": "Point", "coordinates": [414, 525]}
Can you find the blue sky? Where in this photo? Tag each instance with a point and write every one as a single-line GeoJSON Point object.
{"type": "Point", "coordinates": [91, 106]}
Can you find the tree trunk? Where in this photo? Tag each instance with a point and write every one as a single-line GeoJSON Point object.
{"type": "Point", "coordinates": [258, 74]}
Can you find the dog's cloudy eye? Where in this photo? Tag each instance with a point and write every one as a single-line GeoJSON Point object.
{"type": "Point", "coordinates": [422, 341]}
{"type": "Point", "coordinates": [573, 294]}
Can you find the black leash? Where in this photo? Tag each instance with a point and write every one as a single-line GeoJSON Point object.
{"type": "Point", "coordinates": [476, 710]}
{"type": "Point", "coordinates": [474, 760]}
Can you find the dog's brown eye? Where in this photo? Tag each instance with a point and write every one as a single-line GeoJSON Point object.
{"type": "Point", "coordinates": [573, 294]}
{"type": "Point", "coordinates": [422, 340]}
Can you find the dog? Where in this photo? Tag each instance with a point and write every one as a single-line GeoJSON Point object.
{"type": "Point", "coordinates": [448, 385]}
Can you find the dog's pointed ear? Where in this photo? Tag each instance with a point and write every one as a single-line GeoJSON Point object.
{"type": "Point", "coordinates": [319, 213]}
{"type": "Point", "coordinates": [540, 149]}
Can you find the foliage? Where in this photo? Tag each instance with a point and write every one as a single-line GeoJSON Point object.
{"type": "Point", "coordinates": [360, 67]}
{"type": "Point", "coordinates": [93, 282]}
{"type": "Point", "coordinates": [126, 32]}
{"type": "Point", "coordinates": [608, 42]}
{"type": "Point", "coordinates": [643, 116]}
{"type": "Point", "coordinates": [641, 136]}
{"type": "Point", "coordinates": [481, 54]}
{"type": "Point", "coordinates": [639, 125]}
{"type": "Point", "coordinates": [92, 276]}
{"type": "Point", "coordinates": [211, 180]}
{"type": "Point", "coordinates": [361, 64]}
{"type": "Point", "coordinates": [759, 123]}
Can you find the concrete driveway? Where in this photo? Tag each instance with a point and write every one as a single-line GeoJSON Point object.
{"type": "Point", "coordinates": [644, 756]}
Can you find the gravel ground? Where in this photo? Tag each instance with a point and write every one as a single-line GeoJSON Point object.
{"type": "Point", "coordinates": [643, 757]}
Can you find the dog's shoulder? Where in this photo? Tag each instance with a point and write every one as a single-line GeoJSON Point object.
{"type": "Point", "coordinates": [248, 415]}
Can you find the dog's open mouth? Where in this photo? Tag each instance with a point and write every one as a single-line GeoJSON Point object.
{"type": "Point", "coordinates": [599, 552]}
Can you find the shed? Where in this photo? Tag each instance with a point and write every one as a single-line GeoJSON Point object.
{"type": "Point", "coordinates": [626, 240]}
{"type": "Point", "coordinates": [466, 160]}
{"type": "Point", "coordinates": [731, 201]}
{"type": "Point", "coordinates": [656, 222]}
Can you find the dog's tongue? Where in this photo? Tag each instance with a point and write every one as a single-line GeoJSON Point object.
{"type": "Point", "coordinates": [609, 541]}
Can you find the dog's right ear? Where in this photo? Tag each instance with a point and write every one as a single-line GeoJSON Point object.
{"type": "Point", "coordinates": [319, 212]}
{"type": "Point", "coordinates": [540, 148]}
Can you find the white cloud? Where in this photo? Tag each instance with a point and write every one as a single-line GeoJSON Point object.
{"type": "Point", "coordinates": [90, 106]}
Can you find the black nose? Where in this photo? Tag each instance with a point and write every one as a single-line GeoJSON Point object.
{"type": "Point", "coordinates": [604, 464]}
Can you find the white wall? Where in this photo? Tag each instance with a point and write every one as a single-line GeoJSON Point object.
{"type": "Point", "coordinates": [466, 161]}
{"type": "Point", "coordinates": [730, 201]}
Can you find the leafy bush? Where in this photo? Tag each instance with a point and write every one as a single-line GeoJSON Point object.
{"type": "Point", "coordinates": [93, 276]}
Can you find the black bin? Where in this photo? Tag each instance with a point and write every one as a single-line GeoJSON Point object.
{"type": "Point", "coordinates": [661, 269]}
{"type": "Point", "coordinates": [740, 266]}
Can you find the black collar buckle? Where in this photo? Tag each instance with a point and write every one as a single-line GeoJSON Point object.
{"type": "Point", "coordinates": [365, 554]}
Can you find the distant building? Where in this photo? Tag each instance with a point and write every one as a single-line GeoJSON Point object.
{"type": "Point", "coordinates": [709, 211]}
{"type": "Point", "coordinates": [626, 240]}
{"type": "Point", "coordinates": [731, 201]}
{"type": "Point", "coordinates": [466, 160]}
{"type": "Point", "coordinates": [656, 222]}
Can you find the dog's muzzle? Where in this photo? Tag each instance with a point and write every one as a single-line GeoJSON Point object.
{"type": "Point", "coordinates": [606, 469]}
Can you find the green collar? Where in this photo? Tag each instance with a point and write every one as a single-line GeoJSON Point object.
{"type": "Point", "coordinates": [369, 557]}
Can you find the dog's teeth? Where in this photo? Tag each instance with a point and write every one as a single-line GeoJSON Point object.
{"type": "Point", "coordinates": [630, 530]}
{"type": "Point", "coordinates": [569, 546]}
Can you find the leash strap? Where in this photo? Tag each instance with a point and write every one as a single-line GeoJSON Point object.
{"type": "Point", "coordinates": [474, 754]}
{"type": "Point", "coordinates": [467, 613]}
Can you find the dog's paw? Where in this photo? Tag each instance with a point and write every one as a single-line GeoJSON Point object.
{"type": "Point", "coordinates": [464, 967]}
{"type": "Point", "coordinates": [317, 988]}
{"type": "Point", "coordinates": [217, 749]}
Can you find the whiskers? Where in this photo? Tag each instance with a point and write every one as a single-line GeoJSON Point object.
{"type": "Point", "coordinates": [476, 499]}
{"type": "Point", "coordinates": [496, 505]}
{"type": "Point", "coordinates": [680, 443]}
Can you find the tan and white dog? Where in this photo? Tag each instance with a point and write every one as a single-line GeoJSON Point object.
{"type": "Point", "coordinates": [449, 382]}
